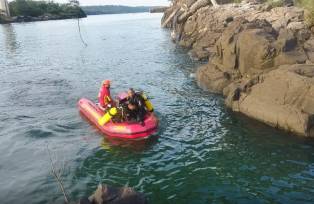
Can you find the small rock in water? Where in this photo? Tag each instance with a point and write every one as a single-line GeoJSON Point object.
{"type": "Point", "coordinates": [112, 195]}
{"type": "Point", "coordinates": [192, 75]}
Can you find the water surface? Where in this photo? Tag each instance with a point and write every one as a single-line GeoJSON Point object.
{"type": "Point", "coordinates": [202, 154]}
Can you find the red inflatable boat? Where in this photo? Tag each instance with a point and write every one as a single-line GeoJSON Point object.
{"type": "Point", "coordinates": [119, 130]}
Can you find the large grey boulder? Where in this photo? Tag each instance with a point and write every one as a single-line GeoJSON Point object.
{"type": "Point", "coordinates": [209, 77]}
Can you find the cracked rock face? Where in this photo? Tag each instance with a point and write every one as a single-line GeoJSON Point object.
{"type": "Point", "coordinates": [200, 25]}
{"type": "Point", "coordinates": [282, 98]}
{"type": "Point", "coordinates": [261, 59]}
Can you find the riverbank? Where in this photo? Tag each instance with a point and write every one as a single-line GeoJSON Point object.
{"type": "Point", "coordinates": [21, 19]}
{"type": "Point", "coordinates": [119, 9]}
{"type": "Point", "coordinates": [260, 58]}
{"type": "Point", "coordinates": [29, 10]}
{"type": "Point", "coordinates": [114, 9]}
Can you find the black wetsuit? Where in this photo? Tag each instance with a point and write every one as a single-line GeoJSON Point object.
{"type": "Point", "coordinates": [139, 112]}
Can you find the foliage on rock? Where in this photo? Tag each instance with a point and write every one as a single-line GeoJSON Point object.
{"type": "Point", "coordinates": [309, 6]}
{"type": "Point", "coordinates": [275, 3]}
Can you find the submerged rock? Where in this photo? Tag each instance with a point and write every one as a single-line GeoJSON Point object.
{"type": "Point", "coordinates": [112, 195]}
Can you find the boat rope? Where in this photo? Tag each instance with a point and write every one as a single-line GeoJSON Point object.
{"type": "Point", "coordinates": [79, 29]}
{"type": "Point", "coordinates": [76, 4]}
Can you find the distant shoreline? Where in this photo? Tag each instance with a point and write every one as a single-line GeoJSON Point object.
{"type": "Point", "coordinates": [33, 10]}
{"type": "Point", "coordinates": [113, 9]}
{"type": "Point", "coordinates": [28, 19]}
{"type": "Point", "coordinates": [89, 11]}
{"type": "Point", "coordinates": [116, 13]}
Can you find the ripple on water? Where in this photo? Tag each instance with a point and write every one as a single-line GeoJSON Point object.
{"type": "Point", "coordinates": [38, 133]}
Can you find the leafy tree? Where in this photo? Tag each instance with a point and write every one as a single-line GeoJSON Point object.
{"type": "Point", "coordinates": [39, 8]}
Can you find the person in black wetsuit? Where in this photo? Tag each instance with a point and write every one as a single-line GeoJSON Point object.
{"type": "Point", "coordinates": [136, 106]}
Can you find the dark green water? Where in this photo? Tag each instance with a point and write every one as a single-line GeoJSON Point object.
{"type": "Point", "coordinates": [202, 154]}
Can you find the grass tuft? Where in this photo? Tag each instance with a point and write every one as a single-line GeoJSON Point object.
{"type": "Point", "coordinates": [308, 5]}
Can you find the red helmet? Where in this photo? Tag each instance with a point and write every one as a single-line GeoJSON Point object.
{"type": "Point", "coordinates": [106, 82]}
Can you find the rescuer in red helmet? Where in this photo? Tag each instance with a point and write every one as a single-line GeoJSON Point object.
{"type": "Point", "coordinates": [104, 98]}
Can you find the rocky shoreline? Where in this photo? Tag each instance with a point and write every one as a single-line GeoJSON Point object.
{"type": "Point", "coordinates": [23, 19]}
{"type": "Point", "coordinates": [260, 58]}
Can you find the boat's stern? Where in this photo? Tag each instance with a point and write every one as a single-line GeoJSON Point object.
{"type": "Point", "coordinates": [90, 110]}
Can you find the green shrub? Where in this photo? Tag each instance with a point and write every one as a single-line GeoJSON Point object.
{"type": "Point", "coordinates": [275, 3]}
{"type": "Point", "coordinates": [309, 18]}
{"type": "Point", "coordinates": [308, 5]}
{"type": "Point", "coordinates": [39, 8]}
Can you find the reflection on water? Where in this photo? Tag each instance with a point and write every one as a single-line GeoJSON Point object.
{"type": "Point", "coordinates": [135, 145]}
{"type": "Point", "coordinates": [202, 153]}
{"type": "Point", "coordinates": [11, 44]}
